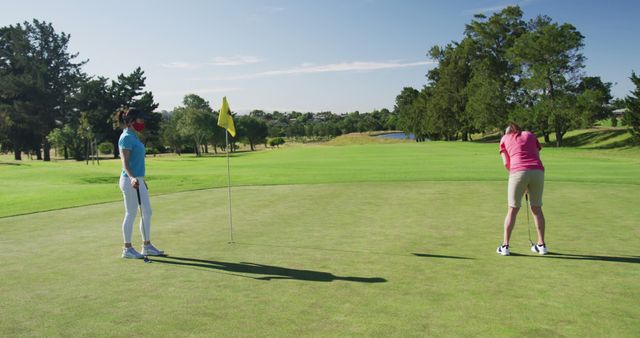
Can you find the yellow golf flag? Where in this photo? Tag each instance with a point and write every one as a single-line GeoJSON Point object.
{"type": "Point", "coordinates": [224, 118]}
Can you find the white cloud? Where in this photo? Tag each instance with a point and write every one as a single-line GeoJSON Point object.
{"type": "Point", "coordinates": [308, 68]}
{"type": "Point", "coordinates": [180, 65]}
{"type": "Point", "coordinates": [237, 60]}
{"type": "Point", "coordinates": [198, 91]}
{"type": "Point", "coordinates": [497, 8]}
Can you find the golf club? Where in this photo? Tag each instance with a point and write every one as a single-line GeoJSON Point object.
{"type": "Point", "coordinates": [146, 259]}
{"type": "Point", "coordinates": [526, 197]}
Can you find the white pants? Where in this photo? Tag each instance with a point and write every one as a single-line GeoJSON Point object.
{"type": "Point", "coordinates": [131, 208]}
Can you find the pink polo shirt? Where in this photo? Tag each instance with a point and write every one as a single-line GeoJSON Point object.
{"type": "Point", "coordinates": [523, 150]}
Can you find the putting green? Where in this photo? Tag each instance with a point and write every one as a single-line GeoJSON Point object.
{"type": "Point", "coordinates": [382, 259]}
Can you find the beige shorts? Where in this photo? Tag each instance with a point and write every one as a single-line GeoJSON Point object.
{"type": "Point", "coordinates": [526, 180]}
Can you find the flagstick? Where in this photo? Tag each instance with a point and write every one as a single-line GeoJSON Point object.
{"type": "Point", "coordinates": [226, 135]}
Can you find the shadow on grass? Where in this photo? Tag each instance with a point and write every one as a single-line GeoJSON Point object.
{"type": "Point", "coordinates": [268, 272]}
{"type": "Point", "coordinates": [355, 251]}
{"type": "Point", "coordinates": [322, 249]}
{"type": "Point", "coordinates": [592, 137]}
{"type": "Point", "coordinates": [557, 255]}
{"type": "Point", "coordinates": [439, 256]}
{"type": "Point", "coordinates": [596, 138]}
{"type": "Point", "coordinates": [618, 259]}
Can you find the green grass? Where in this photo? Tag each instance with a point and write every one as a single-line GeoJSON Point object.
{"type": "Point", "coordinates": [32, 186]}
{"type": "Point", "coordinates": [365, 240]}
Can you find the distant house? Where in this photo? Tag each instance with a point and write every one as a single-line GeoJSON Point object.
{"type": "Point", "coordinates": [619, 113]}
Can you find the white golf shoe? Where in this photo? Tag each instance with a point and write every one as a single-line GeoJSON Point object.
{"type": "Point", "coordinates": [131, 253]}
{"type": "Point", "coordinates": [150, 250]}
{"type": "Point", "coordinates": [503, 250]}
{"type": "Point", "coordinates": [540, 249]}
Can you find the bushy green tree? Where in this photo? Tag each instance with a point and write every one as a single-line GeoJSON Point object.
{"type": "Point", "coordinates": [276, 142]}
{"type": "Point", "coordinates": [493, 84]}
{"type": "Point", "coordinates": [410, 119]}
{"type": "Point", "coordinates": [195, 121]}
{"type": "Point", "coordinates": [632, 115]}
{"type": "Point", "coordinates": [252, 130]}
{"type": "Point", "coordinates": [448, 100]}
{"type": "Point", "coordinates": [169, 131]}
{"type": "Point", "coordinates": [37, 77]}
{"type": "Point", "coordinates": [593, 101]}
{"type": "Point", "coordinates": [550, 61]}
{"type": "Point", "coordinates": [63, 139]}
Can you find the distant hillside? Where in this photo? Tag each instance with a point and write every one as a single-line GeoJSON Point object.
{"type": "Point", "coordinates": [363, 138]}
{"type": "Point", "coordinates": [593, 138]}
{"type": "Point", "coordinates": [596, 138]}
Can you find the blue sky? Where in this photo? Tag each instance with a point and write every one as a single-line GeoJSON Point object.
{"type": "Point", "coordinates": [305, 55]}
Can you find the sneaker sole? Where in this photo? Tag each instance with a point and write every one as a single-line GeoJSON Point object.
{"type": "Point", "coordinates": [502, 254]}
{"type": "Point", "coordinates": [538, 252]}
{"type": "Point", "coordinates": [127, 257]}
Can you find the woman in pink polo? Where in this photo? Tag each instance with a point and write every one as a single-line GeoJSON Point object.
{"type": "Point", "coordinates": [520, 152]}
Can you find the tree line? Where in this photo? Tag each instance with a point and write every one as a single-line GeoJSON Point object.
{"type": "Point", "coordinates": [504, 69]}
{"type": "Point", "coordinates": [508, 69]}
{"type": "Point", "coordinates": [47, 101]}
{"type": "Point", "coordinates": [192, 126]}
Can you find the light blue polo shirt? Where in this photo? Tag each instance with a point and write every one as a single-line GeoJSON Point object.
{"type": "Point", "coordinates": [130, 141]}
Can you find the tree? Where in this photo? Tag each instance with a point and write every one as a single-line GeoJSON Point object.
{"type": "Point", "coordinates": [253, 130]}
{"type": "Point", "coordinates": [63, 139]}
{"type": "Point", "coordinates": [448, 100]}
{"type": "Point", "coordinates": [487, 105]}
{"type": "Point", "coordinates": [19, 88]}
{"type": "Point", "coordinates": [276, 142]}
{"type": "Point", "coordinates": [5, 126]}
{"type": "Point", "coordinates": [194, 121]}
{"type": "Point", "coordinates": [169, 134]}
{"type": "Point", "coordinates": [410, 119]}
{"type": "Point", "coordinates": [549, 58]}
{"type": "Point", "coordinates": [426, 126]}
{"type": "Point", "coordinates": [349, 122]}
{"type": "Point", "coordinates": [85, 136]}
{"type": "Point", "coordinates": [128, 91]}
{"type": "Point", "coordinates": [593, 101]}
{"type": "Point", "coordinates": [493, 84]}
{"type": "Point", "coordinates": [38, 76]}
{"type": "Point", "coordinates": [632, 115]}
{"type": "Point", "coordinates": [94, 99]}
{"type": "Point", "coordinates": [61, 76]}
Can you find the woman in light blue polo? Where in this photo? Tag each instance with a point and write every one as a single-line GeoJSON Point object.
{"type": "Point", "coordinates": [132, 153]}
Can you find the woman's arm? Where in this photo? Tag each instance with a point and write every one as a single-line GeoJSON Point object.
{"type": "Point", "coordinates": [506, 160]}
{"type": "Point", "coordinates": [125, 164]}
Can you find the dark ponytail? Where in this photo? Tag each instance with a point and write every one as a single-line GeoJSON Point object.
{"type": "Point", "coordinates": [119, 118]}
{"type": "Point", "coordinates": [124, 116]}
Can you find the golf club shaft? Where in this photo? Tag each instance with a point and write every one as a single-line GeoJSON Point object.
{"type": "Point", "coordinates": [144, 233]}
{"type": "Point", "coordinates": [526, 196]}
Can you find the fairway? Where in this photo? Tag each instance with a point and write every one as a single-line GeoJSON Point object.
{"type": "Point", "coordinates": [401, 244]}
